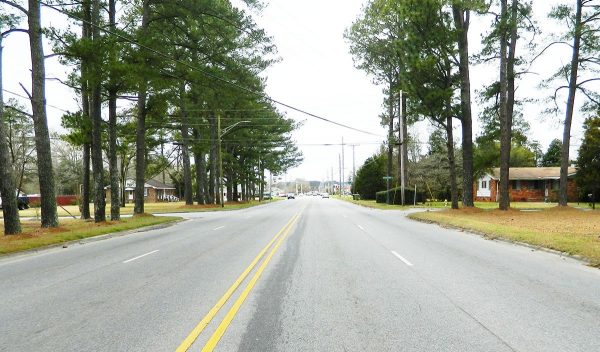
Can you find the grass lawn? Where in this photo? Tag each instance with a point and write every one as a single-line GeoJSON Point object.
{"type": "Point", "coordinates": [567, 229]}
{"type": "Point", "coordinates": [481, 205]}
{"type": "Point", "coordinates": [34, 236]}
{"type": "Point", "coordinates": [149, 208]}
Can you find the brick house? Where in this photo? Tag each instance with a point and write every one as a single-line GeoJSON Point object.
{"type": "Point", "coordinates": [154, 191]}
{"type": "Point", "coordinates": [527, 184]}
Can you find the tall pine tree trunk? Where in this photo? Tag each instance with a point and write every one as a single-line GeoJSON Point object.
{"type": "Point", "coordinates": [185, 151]}
{"type": "Point", "coordinates": [505, 137]}
{"type": "Point", "coordinates": [140, 131]}
{"type": "Point", "coordinates": [461, 22]}
{"type": "Point", "coordinates": [229, 184]}
{"type": "Point", "coordinates": [451, 163]}
{"type": "Point", "coordinates": [96, 115]}
{"type": "Point", "coordinates": [10, 209]}
{"type": "Point", "coordinates": [234, 185]}
{"type": "Point", "coordinates": [213, 160]}
{"type": "Point", "coordinates": [40, 122]}
{"type": "Point", "coordinates": [200, 178]}
{"type": "Point", "coordinates": [402, 155]}
{"type": "Point", "coordinates": [85, 102]}
{"type": "Point", "coordinates": [390, 150]}
{"type": "Point", "coordinates": [564, 155]}
{"type": "Point", "coordinates": [115, 208]}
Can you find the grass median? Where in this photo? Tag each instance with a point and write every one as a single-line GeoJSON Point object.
{"type": "Point", "coordinates": [34, 236]}
{"type": "Point", "coordinates": [565, 229]}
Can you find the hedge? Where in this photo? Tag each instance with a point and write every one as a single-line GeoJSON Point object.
{"type": "Point", "coordinates": [396, 197]}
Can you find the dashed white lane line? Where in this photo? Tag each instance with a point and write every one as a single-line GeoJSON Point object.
{"type": "Point", "coordinates": [401, 258]}
{"type": "Point", "coordinates": [139, 256]}
{"type": "Point", "coordinates": [360, 227]}
{"type": "Point", "coordinates": [218, 228]}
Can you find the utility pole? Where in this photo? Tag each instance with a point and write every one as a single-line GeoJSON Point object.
{"type": "Point", "coordinates": [343, 166]}
{"type": "Point", "coordinates": [353, 162]}
{"type": "Point", "coordinates": [340, 162]}
{"type": "Point", "coordinates": [332, 189]}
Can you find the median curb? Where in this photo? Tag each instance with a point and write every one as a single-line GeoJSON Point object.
{"type": "Point", "coordinates": [83, 241]}
{"type": "Point", "coordinates": [489, 237]}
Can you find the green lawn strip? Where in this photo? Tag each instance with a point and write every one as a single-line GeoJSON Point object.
{"type": "Point", "coordinates": [586, 246]}
{"type": "Point", "coordinates": [71, 230]}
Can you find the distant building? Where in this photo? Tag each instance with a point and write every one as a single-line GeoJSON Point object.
{"type": "Point", "coordinates": [527, 184]}
{"type": "Point", "coordinates": [154, 191]}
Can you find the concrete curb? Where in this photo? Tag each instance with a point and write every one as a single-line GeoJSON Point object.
{"type": "Point", "coordinates": [90, 239]}
{"type": "Point", "coordinates": [487, 236]}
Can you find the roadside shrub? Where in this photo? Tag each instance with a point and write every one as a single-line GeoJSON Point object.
{"type": "Point", "coordinates": [396, 197]}
{"type": "Point", "coordinates": [369, 177]}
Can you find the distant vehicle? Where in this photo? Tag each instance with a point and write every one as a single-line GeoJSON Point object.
{"type": "Point", "coordinates": [267, 196]}
{"type": "Point", "coordinates": [291, 196]}
{"type": "Point", "coordinates": [22, 201]}
{"type": "Point", "coordinates": [324, 195]}
{"type": "Point", "coordinates": [171, 198]}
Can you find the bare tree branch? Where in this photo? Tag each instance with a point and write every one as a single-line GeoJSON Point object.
{"type": "Point", "coordinates": [13, 30]}
{"type": "Point", "coordinates": [26, 91]}
{"type": "Point", "coordinates": [15, 5]}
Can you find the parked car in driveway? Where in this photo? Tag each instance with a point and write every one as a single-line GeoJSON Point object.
{"type": "Point", "coordinates": [291, 196]}
{"type": "Point", "coordinates": [171, 198]}
{"type": "Point", "coordinates": [22, 201]}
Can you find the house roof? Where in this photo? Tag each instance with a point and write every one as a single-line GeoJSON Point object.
{"type": "Point", "coordinates": [158, 185]}
{"type": "Point", "coordinates": [533, 173]}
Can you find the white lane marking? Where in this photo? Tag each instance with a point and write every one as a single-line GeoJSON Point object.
{"type": "Point", "coordinates": [402, 258]}
{"type": "Point", "coordinates": [360, 227]}
{"type": "Point", "coordinates": [139, 256]}
{"type": "Point", "coordinates": [218, 228]}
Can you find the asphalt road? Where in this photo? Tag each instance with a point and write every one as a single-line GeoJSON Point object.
{"type": "Point", "coordinates": [327, 276]}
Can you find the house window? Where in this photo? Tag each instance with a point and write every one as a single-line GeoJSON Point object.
{"type": "Point", "coordinates": [516, 184]}
{"type": "Point", "coordinates": [555, 184]}
{"type": "Point", "coordinates": [538, 184]}
{"type": "Point", "coordinates": [145, 192]}
{"type": "Point", "coordinates": [483, 184]}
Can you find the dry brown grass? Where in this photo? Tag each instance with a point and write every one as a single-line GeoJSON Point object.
{"type": "Point", "coordinates": [564, 229]}
{"type": "Point", "coordinates": [34, 236]}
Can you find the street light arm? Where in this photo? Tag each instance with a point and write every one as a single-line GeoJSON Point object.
{"type": "Point", "coordinates": [229, 128]}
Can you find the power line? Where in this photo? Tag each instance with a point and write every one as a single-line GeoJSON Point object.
{"type": "Point", "coordinates": [208, 74]}
{"type": "Point", "coordinates": [26, 97]}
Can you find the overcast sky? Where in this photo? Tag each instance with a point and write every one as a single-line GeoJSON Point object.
{"type": "Point", "coordinates": [317, 74]}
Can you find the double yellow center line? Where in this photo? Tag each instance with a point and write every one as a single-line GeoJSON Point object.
{"type": "Point", "coordinates": [214, 339]}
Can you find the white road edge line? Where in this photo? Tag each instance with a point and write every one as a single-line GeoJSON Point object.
{"type": "Point", "coordinates": [140, 256]}
{"type": "Point", "coordinates": [218, 228]}
{"type": "Point", "coordinates": [401, 258]}
{"type": "Point", "coordinates": [360, 227]}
